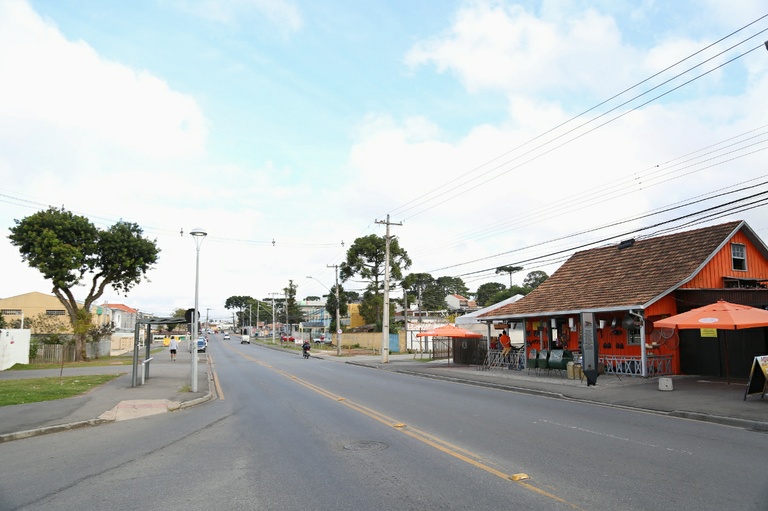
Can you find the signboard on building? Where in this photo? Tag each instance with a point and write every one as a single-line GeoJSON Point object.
{"type": "Point", "coordinates": [589, 348]}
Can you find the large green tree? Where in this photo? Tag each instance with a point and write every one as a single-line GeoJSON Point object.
{"type": "Point", "coordinates": [486, 292]}
{"type": "Point", "coordinates": [425, 290]}
{"type": "Point", "coordinates": [68, 249]}
{"type": "Point", "coordinates": [534, 279]}
{"type": "Point", "coordinates": [292, 314]}
{"type": "Point", "coordinates": [366, 260]}
{"type": "Point", "coordinates": [510, 270]}
{"type": "Point", "coordinates": [330, 305]}
{"type": "Point", "coordinates": [452, 286]}
{"type": "Point", "coordinates": [240, 303]}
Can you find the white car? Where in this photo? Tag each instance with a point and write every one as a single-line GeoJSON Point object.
{"type": "Point", "coordinates": [245, 339]}
{"type": "Point", "coordinates": [226, 337]}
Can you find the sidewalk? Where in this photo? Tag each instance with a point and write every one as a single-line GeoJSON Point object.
{"type": "Point", "coordinates": [167, 389]}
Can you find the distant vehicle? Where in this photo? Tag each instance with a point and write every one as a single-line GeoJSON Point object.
{"type": "Point", "coordinates": [288, 338]}
{"type": "Point", "coordinates": [226, 337]}
{"type": "Point", "coordinates": [245, 340]}
{"type": "Point", "coordinates": [317, 340]}
{"type": "Point", "coordinates": [201, 344]}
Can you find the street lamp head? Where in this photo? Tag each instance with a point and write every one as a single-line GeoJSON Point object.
{"type": "Point", "coordinates": [197, 232]}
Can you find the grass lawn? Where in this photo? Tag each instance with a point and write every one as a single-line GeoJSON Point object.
{"type": "Point", "coordinates": [33, 390]}
{"type": "Point", "coordinates": [125, 359]}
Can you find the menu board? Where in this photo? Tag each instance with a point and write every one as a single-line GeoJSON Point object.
{"type": "Point", "coordinates": [758, 377]}
{"type": "Point", "coordinates": [589, 349]}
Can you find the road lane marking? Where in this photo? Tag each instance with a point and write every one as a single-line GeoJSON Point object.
{"type": "Point", "coordinates": [613, 437]}
{"type": "Point", "coordinates": [422, 436]}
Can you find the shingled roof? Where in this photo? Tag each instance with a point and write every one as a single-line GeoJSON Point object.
{"type": "Point", "coordinates": [634, 276]}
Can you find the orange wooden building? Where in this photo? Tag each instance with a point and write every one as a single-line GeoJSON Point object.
{"type": "Point", "coordinates": [628, 286]}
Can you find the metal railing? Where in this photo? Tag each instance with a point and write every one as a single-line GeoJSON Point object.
{"type": "Point", "coordinates": [657, 365]}
{"type": "Point", "coordinates": [515, 359]}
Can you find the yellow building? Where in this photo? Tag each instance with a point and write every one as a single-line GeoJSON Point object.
{"type": "Point", "coordinates": [355, 319]}
{"type": "Point", "coordinates": [33, 305]}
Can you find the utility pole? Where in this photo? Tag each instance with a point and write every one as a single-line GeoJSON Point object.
{"type": "Point", "coordinates": [385, 321]}
{"type": "Point", "coordinates": [273, 317]}
{"type": "Point", "coordinates": [338, 305]}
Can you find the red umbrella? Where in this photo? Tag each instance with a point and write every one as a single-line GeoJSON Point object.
{"type": "Point", "coordinates": [449, 331]}
{"type": "Point", "coordinates": [721, 315]}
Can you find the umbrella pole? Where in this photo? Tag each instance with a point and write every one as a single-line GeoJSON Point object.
{"type": "Point", "coordinates": [727, 368]}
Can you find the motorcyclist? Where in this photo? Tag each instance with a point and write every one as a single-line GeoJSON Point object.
{"type": "Point", "coordinates": [305, 348]}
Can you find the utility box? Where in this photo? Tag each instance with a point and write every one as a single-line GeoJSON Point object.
{"type": "Point", "coordinates": [665, 383]}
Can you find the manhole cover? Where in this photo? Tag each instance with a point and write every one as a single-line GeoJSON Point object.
{"type": "Point", "coordinates": [366, 446]}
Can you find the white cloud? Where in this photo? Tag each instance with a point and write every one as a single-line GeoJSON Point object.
{"type": "Point", "coordinates": [502, 47]}
{"type": "Point", "coordinates": [63, 93]}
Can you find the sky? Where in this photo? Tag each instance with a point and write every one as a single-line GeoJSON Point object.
{"type": "Point", "coordinates": [488, 132]}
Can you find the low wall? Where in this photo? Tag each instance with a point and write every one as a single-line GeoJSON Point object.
{"type": "Point", "coordinates": [369, 340]}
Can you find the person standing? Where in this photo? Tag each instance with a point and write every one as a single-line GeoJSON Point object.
{"type": "Point", "coordinates": [506, 344]}
{"type": "Point", "coordinates": [173, 346]}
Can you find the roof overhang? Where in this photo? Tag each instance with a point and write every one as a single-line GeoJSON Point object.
{"type": "Point", "coordinates": [532, 315]}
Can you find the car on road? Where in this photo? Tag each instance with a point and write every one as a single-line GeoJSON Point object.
{"type": "Point", "coordinates": [201, 344]}
{"type": "Point", "coordinates": [226, 337]}
{"type": "Point", "coordinates": [245, 339]}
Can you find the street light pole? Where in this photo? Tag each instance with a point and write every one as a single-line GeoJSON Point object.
{"type": "Point", "coordinates": [198, 234]}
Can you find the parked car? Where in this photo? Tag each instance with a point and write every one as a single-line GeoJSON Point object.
{"type": "Point", "coordinates": [226, 337]}
{"type": "Point", "coordinates": [317, 340]}
{"type": "Point", "coordinates": [201, 344]}
{"type": "Point", "coordinates": [287, 338]}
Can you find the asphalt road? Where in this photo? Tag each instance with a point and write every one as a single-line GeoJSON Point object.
{"type": "Point", "coordinates": [289, 433]}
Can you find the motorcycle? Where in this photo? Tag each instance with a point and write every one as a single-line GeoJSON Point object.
{"type": "Point", "coordinates": [305, 349]}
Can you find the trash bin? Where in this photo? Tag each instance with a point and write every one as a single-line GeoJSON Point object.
{"type": "Point", "coordinates": [569, 370]}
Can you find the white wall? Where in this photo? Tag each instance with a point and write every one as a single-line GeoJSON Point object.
{"type": "Point", "coordinates": [14, 347]}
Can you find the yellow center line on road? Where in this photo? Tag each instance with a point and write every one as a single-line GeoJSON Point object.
{"type": "Point", "coordinates": [422, 436]}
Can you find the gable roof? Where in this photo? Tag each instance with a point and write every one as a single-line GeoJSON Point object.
{"type": "Point", "coordinates": [634, 276]}
{"type": "Point", "coordinates": [121, 307]}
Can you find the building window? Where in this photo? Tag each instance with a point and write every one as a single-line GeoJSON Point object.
{"type": "Point", "coordinates": [739, 256]}
{"type": "Point", "coordinates": [11, 312]}
{"type": "Point", "coordinates": [55, 313]}
{"type": "Point", "coordinates": [633, 337]}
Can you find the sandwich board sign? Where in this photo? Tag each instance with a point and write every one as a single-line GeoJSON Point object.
{"type": "Point", "coordinates": [758, 377]}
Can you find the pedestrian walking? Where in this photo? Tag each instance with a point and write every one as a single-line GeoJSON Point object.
{"type": "Point", "coordinates": [173, 346]}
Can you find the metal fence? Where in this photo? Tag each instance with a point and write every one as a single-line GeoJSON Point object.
{"type": "Point", "coordinates": [658, 365]}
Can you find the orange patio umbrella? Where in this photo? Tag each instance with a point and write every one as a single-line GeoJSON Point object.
{"type": "Point", "coordinates": [721, 315]}
{"type": "Point", "coordinates": [450, 331]}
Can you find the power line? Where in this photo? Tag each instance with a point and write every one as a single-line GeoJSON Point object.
{"type": "Point", "coordinates": [462, 179]}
